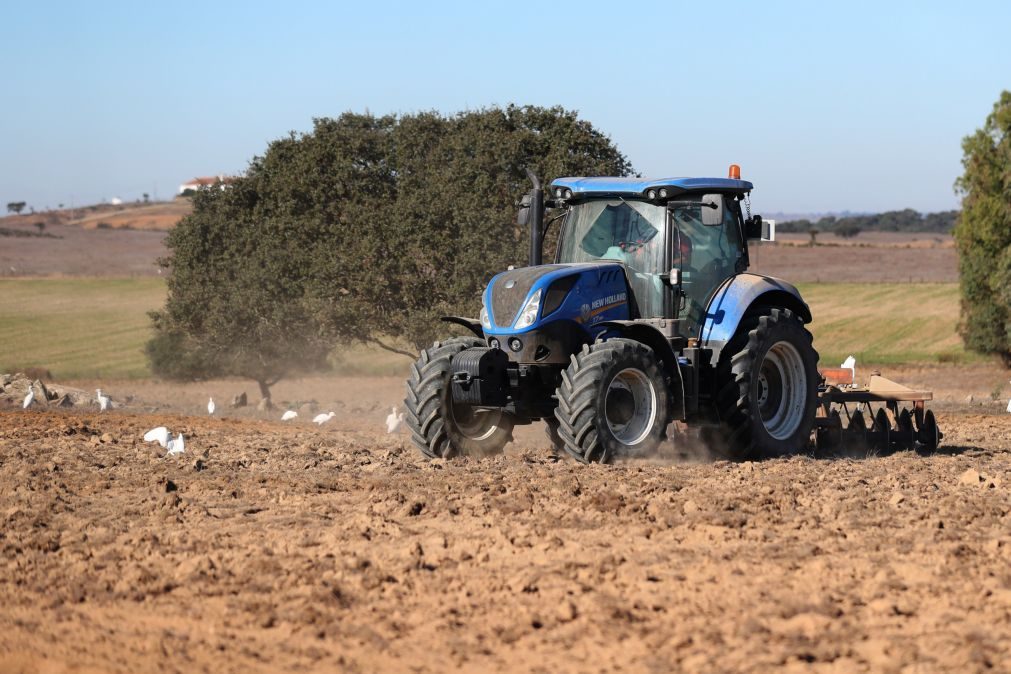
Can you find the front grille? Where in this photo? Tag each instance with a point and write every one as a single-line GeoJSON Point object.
{"type": "Point", "coordinates": [506, 302]}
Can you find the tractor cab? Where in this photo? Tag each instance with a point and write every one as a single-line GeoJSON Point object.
{"type": "Point", "coordinates": [677, 239]}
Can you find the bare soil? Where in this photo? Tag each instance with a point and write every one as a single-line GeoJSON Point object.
{"type": "Point", "coordinates": [871, 257]}
{"type": "Point", "coordinates": [79, 249]}
{"type": "Point", "coordinates": [69, 250]}
{"type": "Point", "coordinates": [159, 215]}
{"type": "Point", "coordinates": [274, 547]}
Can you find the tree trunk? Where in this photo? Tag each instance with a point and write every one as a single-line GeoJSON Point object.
{"type": "Point", "coordinates": [264, 393]}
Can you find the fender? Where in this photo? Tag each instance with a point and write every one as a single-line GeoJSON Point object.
{"type": "Point", "coordinates": [645, 333]}
{"type": "Point", "coordinates": [737, 297]}
{"type": "Point", "coordinates": [469, 323]}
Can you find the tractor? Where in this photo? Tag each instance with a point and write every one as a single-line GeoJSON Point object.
{"type": "Point", "coordinates": [648, 315]}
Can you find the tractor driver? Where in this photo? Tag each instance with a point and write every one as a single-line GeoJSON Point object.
{"type": "Point", "coordinates": [626, 232]}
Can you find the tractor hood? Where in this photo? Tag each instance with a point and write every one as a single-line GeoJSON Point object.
{"type": "Point", "coordinates": [525, 299]}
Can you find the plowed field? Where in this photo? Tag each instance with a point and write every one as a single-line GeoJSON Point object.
{"type": "Point", "coordinates": [268, 547]}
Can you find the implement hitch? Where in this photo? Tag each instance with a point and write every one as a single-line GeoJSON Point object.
{"type": "Point", "coordinates": [845, 407]}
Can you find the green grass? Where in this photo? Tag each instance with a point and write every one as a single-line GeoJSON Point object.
{"type": "Point", "coordinates": [886, 323]}
{"type": "Point", "coordinates": [78, 328]}
{"type": "Point", "coordinates": [97, 328]}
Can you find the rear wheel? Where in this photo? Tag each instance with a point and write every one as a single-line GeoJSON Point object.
{"type": "Point", "coordinates": [768, 375]}
{"type": "Point", "coordinates": [612, 402]}
{"type": "Point", "coordinates": [441, 428]}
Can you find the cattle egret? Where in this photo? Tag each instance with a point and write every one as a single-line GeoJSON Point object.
{"type": "Point", "coordinates": [393, 421]}
{"type": "Point", "coordinates": [289, 415]}
{"type": "Point", "coordinates": [159, 435]}
{"type": "Point", "coordinates": [177, 446]}
{"type": "Point", "coordinates": [323, 418]}
{"type": "Point", "coordinates": [210, 406]}
{"type": "Point", "coordinates": [1009, 406]}
{"type": "Point", "coordinates": [850, 363]}
{"type": "Point", "coordinates": [29, 399]}
{"type": "Point", "coordinates": [103, 400]}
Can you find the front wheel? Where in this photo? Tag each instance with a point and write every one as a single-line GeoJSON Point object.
{"type": "Point", "coordinates": [441, 428]}
{"type": "Point", "coordinates": [768, 396]}
{"type": "Point", "coordinates": [612, 402]}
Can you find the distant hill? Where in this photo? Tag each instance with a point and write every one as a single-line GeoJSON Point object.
{"type": "Point", "coordinates": [159, 215]}
{"type": "Point", "coordinates": [906, 220]}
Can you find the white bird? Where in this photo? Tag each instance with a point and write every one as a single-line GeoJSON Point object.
{"type": "Point", "coordinates": [1009, 406]}
{"type": "Point", "coordinates": [177, 446]}
{"type": "Point", "coordinates": [159, 435]}
{"type": "Point", "coordinates": [850, 363]}
{"type": "Point", "coordinates": [29, 399]}
{"type": "Point", "coordinates": [394, 420]}
{"type": "Point", "coordinates": [210, 406]}
{"type": "Point", "coordinates": [103, 400]}
{"type": "Point", "coordinates": [289, 415]}
{"type": "Point", "coordinates": [323, 418]}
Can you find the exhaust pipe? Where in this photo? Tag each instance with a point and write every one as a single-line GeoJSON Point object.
{"type": "Point", "coordinates": [536, 218]}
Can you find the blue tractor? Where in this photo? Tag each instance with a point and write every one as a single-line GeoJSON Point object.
{"type": "Point", "coordinates": [648, 315]}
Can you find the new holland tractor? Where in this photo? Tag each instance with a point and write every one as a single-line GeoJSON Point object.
{"type": "Point", "coordinates": [648, 315]}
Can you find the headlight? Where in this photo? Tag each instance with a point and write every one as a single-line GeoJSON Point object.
{"type": "Point", "coordinates": [485, 320]}
{"type": "Point", "coordinates": [529, 313]}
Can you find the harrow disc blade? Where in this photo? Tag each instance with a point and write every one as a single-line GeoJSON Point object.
{"type": "Point", "coordinates": [930, 436]}
{"type": "Point", "coordinates": [881, 438]}
{"type": "Point", "coordinates": [905, 435]}
{"type": "Point", "coordinates": [857, 422]}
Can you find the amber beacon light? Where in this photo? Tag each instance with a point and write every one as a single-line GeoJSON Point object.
{"type": "Point", "coordinates": [735, 172]}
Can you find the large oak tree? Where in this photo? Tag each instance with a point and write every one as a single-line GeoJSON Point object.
{"type": "Point", "coordinates": [365, 229]}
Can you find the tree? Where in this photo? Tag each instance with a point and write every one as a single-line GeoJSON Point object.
{"type": "Point", "coordinates": [365, 229]}
{"type": "Point", "coordinates": [813, 233]}
{"type": "Point", "coordinates": [147, 197]}
{"type": "Point", "coordinates": [41, 226]}
{"type": "Point", "coordinates": [983, 234]}
{"type": "Point", "coordinates": [16, 207]}
{"type": "Point", "coordinates": [846, 230]}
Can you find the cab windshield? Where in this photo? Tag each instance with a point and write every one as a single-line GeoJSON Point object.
{"type": "Point", "coordinates": [626, 231]}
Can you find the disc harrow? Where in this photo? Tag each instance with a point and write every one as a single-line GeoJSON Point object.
{"type": "Point", "coordinates": [883, 416]}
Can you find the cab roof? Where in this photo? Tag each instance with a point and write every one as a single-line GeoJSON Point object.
{"type": "Point", "coordinates": [638, 186]}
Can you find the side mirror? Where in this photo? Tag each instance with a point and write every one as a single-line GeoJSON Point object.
{"type": "Point", "coordinates": [768, 230]}
{"type": "Point", "coordinates": [712, 210]}
{"type": "Point", "coordinates": [523, 215]}
{"type": "Point", "coordinates": [758, 229]}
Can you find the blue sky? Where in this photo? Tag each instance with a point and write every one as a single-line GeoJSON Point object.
{"type": "Point", "coordinates": [856, 106]}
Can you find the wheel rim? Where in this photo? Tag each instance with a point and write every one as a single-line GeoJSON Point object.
{"type": "Point", "coordinates": [630, 406]}
{"type": "Point", "coordinates": [475, 424]}
{"type": "Point", "coordinates": [782, 390]}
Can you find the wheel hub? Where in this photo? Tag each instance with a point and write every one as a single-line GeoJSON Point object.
{"type": "Point", "coordinates": [782, 390]}
{"type": "Point", "coordinates": [476, 424]}
{"type": "Point", "coordinates": [620, 406]}
{"type": "Point", "coordinates": [630, 406]}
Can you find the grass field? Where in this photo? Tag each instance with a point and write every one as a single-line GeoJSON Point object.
{"type": "Point", "coordinates": [886, 323]}
{"type": "Point", "coordinates": [96, 328]}
{"type": "Point", "coordinates": [78, 328]}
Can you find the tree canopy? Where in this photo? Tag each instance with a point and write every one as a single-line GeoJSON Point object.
{"type": "Point", "coordinates": [364, 229]}
{"type": "Point", "coordinates": [906, 220]}
{"type": "Point", "coordinates": [983, 234]}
